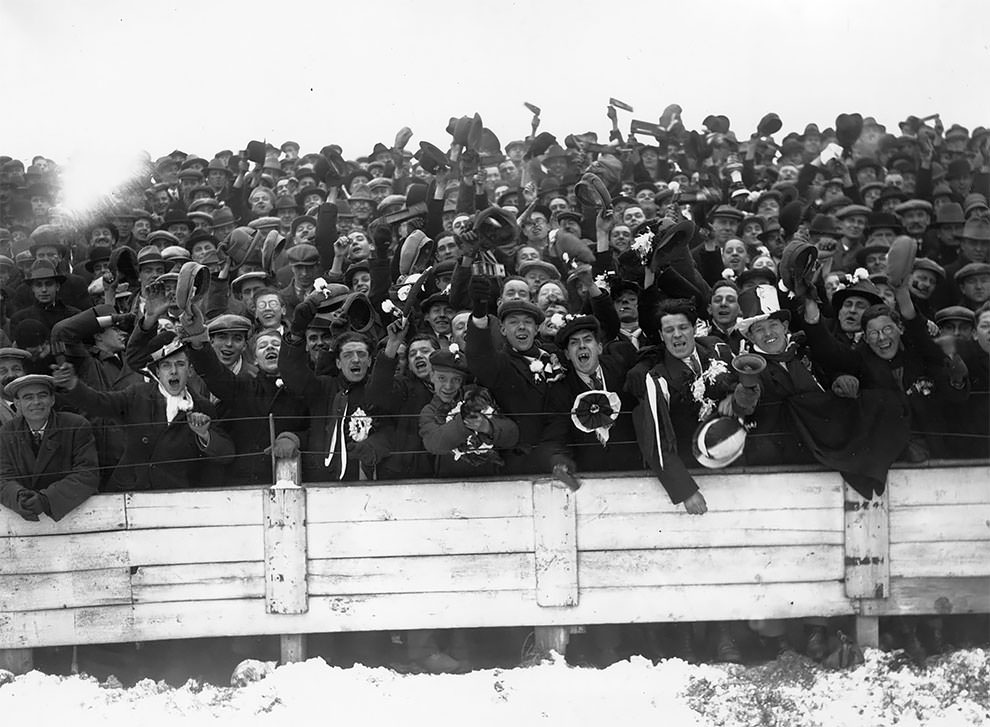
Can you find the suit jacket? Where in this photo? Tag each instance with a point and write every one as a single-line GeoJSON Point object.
{"type": "Point", "coordinates": [519, 394]}
{"type": "Point", "coordinates": [158, 455]}
{"type": "Point", "coordinates": [562, 441]}
{"type": "Point", "coordinates": [64, 470]}
{"type": "Point", "coordinates": [331, 399]}
{"type": "Point", "coordinates": [246, 402]}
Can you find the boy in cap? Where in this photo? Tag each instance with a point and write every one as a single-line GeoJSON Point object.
{"type": "Point", "coordinates": [48, 462]}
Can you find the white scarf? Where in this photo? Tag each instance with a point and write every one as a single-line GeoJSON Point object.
{"type": "Point", "coordinates": [174, 403]}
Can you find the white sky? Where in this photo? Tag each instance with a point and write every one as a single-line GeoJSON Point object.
{"type": "Point", "coordinates": [114, 76]}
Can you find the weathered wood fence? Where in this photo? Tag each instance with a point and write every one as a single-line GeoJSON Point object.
{"type": "Point", "coordinates": [409, 555]}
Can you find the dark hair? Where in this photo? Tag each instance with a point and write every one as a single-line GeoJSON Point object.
{"type": "Point", "coordinates": [878, 310]}
{"type": "Point", "coordinates": [350, 337]}
{"type": "Point", "coordinates": [725, 283]}
{"type": "Point", "coordinates": [425, 337]}
{"type": "Point", "coordinates": [677, 306]}
{"type": "Point", "coordinates": [269, 291]}
{"type": "Point", "coordinates": [985, 308]}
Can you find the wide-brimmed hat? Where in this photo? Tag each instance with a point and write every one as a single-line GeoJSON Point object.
{"type": "Point", "coordinates": [865, 289]}
{"type": "Point", "coordinates": [43, 270]}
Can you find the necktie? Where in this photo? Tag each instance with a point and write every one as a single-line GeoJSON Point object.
{"type": "Point", "coordinates": [695, 366]}
{"type": "Point", "coordinates": [596, 382]}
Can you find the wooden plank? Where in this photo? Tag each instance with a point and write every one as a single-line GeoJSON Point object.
{"type": "Point", "coordinates": [151, 621]}
{"type": "Point", "coordinates": [960, 559]}
{"type": "Point", "coordinates": [203, 508]}
{"type": "Point", "coordinates": [292, 648]}
{"type": "Point", "coordinates": [285, 550]}
{"type": "Point", "coordinates": [17, 661]}
{"type": "Point", "coordinates": [555, 540]}
{"type": "Point", "coordinates": [420, 537]}
{"type": "Point", "coordinates": [773, 491]}
{"type": "Point", "coordinates": [62, 553]}
{"type": "Point", "coordinates": [175, 546]}
{"type": "Point", "coordinates": [634, 531]}
{"type": "Point", "coordinates": [934, 523]}
{"type": "Point", "coordinates": [100, 513]}
{"type": "Point", "coordinates": [422, 574]}
{"type": "Point", "coordinates": [634, 568]}
{"type": "Point", "coordinates": [40, 591]}
{"type": "Point", "coordinates": [427, 501]}
{"type": "Point", "coordinates": [939, 486]}
{"type": "Point", "coordinates": [867, 545]}
{"type": "Point", "coordinates": [198, 582]}
{"type": "Point", "coordinates": [917, 596]}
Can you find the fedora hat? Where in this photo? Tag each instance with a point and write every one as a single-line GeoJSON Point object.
{"type": "Point", "coordinates": [43, 270]}
{"type": "Point", "coordinates": [192, 286]}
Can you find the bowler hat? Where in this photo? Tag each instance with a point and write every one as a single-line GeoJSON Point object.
{"type": "Point", "coordinates": [848, 127]}
{"type": "Point", "coordinates": [769, 124]}
{"type": "Point", "coordinates": [824, 225]}
{"type": "Point", "coordinates": [431, 158]}
{"type": "Point", "coordinates": [256, 151]}
{"type": "Point", "coordinates": [97, 255]}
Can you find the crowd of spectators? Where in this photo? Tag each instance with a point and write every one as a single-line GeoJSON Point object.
{"type": "Point", "coordinates": [664, 300]}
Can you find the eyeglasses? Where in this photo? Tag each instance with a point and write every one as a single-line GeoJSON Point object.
{"type": "Point", "coordinates": [874, 336]}
{"type": "Point", "coordinates": [268, 304]}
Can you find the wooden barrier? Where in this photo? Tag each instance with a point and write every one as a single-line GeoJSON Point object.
{"type": "Point", "coordinates": [419, 555]}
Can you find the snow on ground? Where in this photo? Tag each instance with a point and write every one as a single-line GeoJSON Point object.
{"type": "Point", "coordinates": [791, 692]}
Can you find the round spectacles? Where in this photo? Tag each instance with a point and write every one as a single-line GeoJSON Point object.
{"type": "Point", "coordinates": [874, 336]}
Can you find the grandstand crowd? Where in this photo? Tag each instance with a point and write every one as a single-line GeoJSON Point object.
{"type": "Point", "coordinates": [667, 300]}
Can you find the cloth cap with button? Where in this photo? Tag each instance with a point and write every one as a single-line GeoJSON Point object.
{"type": "Point", "coordinates": [303, 254]}
{"type": "Point", "coordinates": [229, 322]}
{"type": "Point", "coordinates": [955, 313]}
{"type": "Point", "coordinates": [520, 306]}
{"type": "Point", "coordinates": [968, 271]}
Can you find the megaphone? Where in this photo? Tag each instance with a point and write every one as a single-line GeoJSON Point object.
{"type": "Point", "coordinates": [749, 366]}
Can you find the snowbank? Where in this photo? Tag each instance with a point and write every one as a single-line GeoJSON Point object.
{"type": "Point", "coordinates": [790, 691]}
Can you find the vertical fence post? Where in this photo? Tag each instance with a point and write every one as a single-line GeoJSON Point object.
{"type": "Point", "coordinates": [286, 590]}
{"type": "Point", "coordinates": [555, 536]}
{"type": "Point", "coordinates": [867, 557]}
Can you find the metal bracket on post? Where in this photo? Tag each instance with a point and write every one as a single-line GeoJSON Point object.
{"type": "Point", "coordinates": [286, 589]}
{"type": "Point", "coordinates": [867, 557]}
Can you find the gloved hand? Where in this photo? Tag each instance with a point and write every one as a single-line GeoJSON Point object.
{"type": "Point", "coordinates": [480, 291]}
{"type": "Point", "coordinates": [286, 445]}
{"type": "Point", "coordinates": [31, 504]}
{"type": "Point", "coordinates": [194, 326]}
{"type": "Point", "coordinates": [305, 312]}
{"type": "Point", "coordinates": [381, 236]}
{"type": "Point", "coordinates": [846, 386]}
{"type": "Point", "coordinates": [122, 320]}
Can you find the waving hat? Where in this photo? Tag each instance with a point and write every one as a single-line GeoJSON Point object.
{"type": "Point", "coordinates": [718, 442]}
